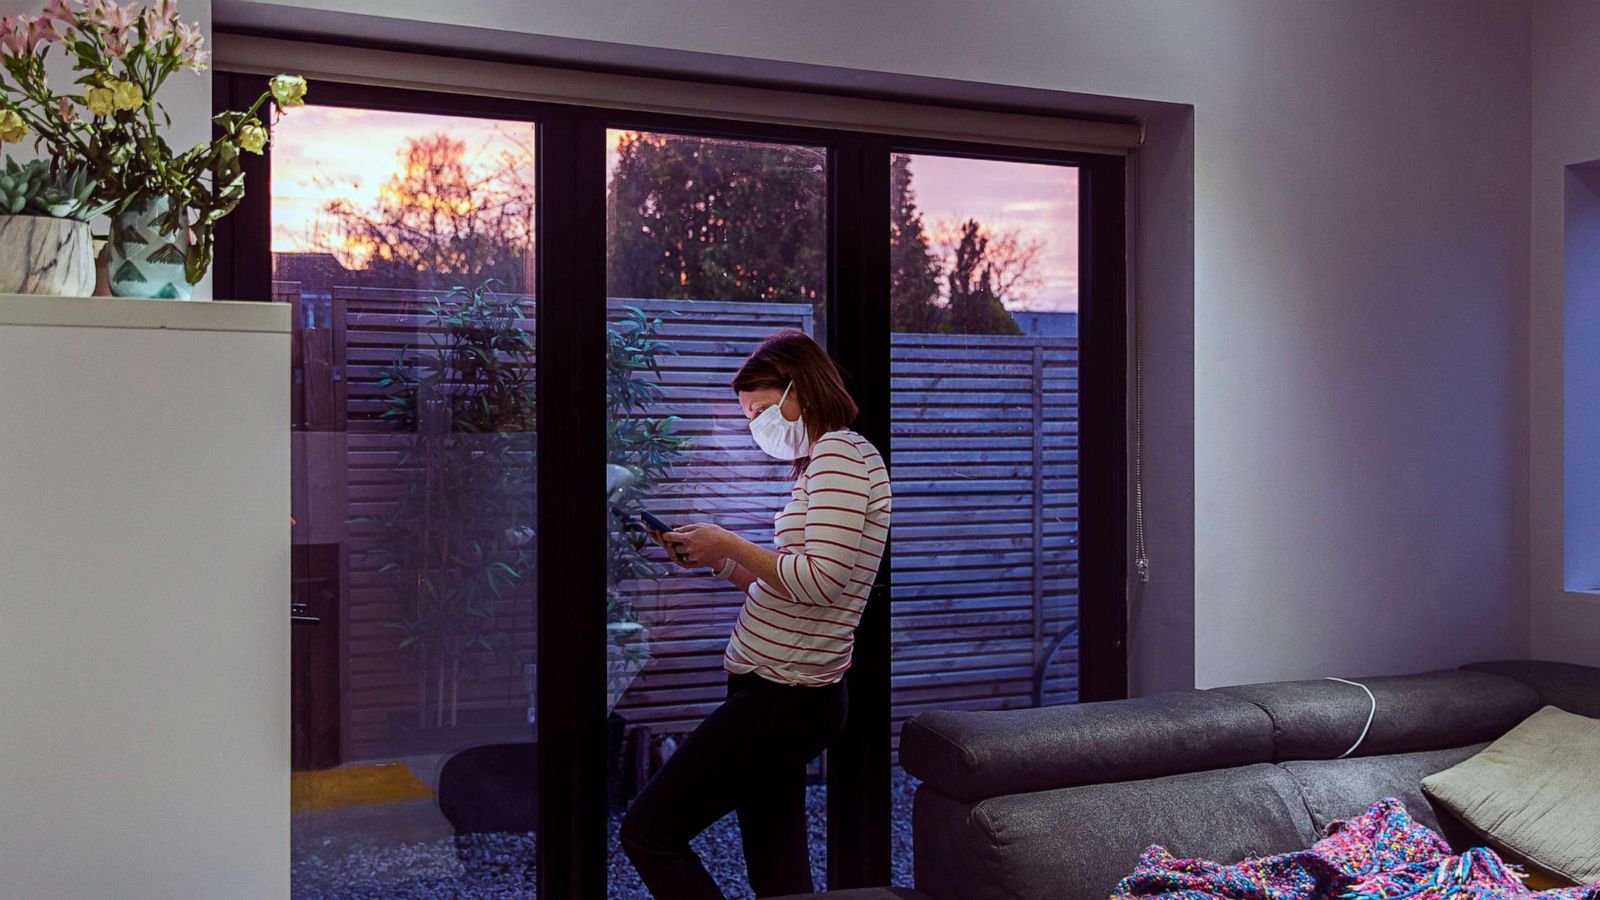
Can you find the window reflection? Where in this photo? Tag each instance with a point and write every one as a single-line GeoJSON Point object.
{"type": "Point", "coordinates": [713, 244]}
{"type": "Point", "coordinates": [405, 244]}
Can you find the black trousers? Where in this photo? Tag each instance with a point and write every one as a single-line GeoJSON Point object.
{"type": "Point", "coordinates": [749, 756]}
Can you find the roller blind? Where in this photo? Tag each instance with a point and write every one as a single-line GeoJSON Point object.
{"type": "Point", "coordinates": [268, 56]}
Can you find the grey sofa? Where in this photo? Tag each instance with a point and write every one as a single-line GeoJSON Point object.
{"type": "Point", "coordinates": [1058, 802]}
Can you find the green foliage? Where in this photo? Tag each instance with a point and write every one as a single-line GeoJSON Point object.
{"type": "Point", "coordinates": [458, 545]}
{"type": "Point", "coordinates": [702, 219]}
{"type": "Point", "coordinates": [914, 267]}
{"type": "Point", "coordinates": [975, 299]}
{"type": "Point", "coordinates": [37, 188]}
{"type": "Point", "coordinates": [480, 372]}
{"type": "Point", "coordinates": [975, 306]}
{"type": "Point", "coordinates": [646, 445]}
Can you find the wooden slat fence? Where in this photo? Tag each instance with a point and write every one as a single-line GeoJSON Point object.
{"type": "Point", "coordinates": [380, 695]}
{"type": "Point", "coordinates": [984, 447]}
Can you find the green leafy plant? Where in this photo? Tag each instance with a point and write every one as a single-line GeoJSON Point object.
{"type": "Point", "coordinates": [645, 444]}
{"type": "Point", "coordinates": [34, 188]}
{"type": "Point", "coordinates": [458, 544]}
{"type": "Point", "coordinates": [110, 121]}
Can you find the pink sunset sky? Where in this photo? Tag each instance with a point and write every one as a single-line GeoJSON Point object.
{"type": "Point", "coordinates": [320, 154]}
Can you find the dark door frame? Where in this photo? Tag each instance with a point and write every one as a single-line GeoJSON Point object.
{"type": "Point", "coordinates": [570, 227]}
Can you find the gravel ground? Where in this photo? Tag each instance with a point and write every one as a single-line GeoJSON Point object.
{"type": "Point", "coordinates": [498, 866]}
{"type": "Point", "coordinates": [501, 865]}
{"type": "Point", "coordinates": [723, 856]}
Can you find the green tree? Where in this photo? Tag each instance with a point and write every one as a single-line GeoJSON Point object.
{"type": "Point", "coordinates": [914, 267]}
{"type": "Point", "coordinates": [701, 219]}
{"type": "Point", "coordinates": [975, 304]}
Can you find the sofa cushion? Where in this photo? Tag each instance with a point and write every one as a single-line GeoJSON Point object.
{"type": "Point", "coordinates": [1342, 788]}
{"type": "Point", "coordinates": [1573, 688]}
{"type": "Point", "coordinates": [972, 755]}
{"type": "Point", "coordinates": [1076, 843]}
{"type": "Point", "coordinates": [1535, 792]}
{"type": "Point", "coordinates": [1321, 719]}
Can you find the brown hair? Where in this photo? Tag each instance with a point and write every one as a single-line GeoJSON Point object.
{"type": "Point", "coordinates": [792, 355]}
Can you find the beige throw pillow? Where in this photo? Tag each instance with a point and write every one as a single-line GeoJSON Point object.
{"type": "Point", "coordinates": [1534, 793]}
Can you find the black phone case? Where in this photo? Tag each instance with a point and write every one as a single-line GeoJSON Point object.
{"type": "Point", "coordinates": [653, 523]}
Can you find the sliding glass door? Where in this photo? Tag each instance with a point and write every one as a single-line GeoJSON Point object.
{"type": "Point", "coordinates": [489, 661]}
{"type": "Point", "coordinates": [984, 424]}
{"type": "Point", "coordinates": [711, 245]}
{"type": "Point", "coordinates": [408, 256]}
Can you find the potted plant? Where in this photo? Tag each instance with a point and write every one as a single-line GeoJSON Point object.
{"type": "Point", "coordinates": [457, 544]}
{"type": "Point", "coordinates": [45, 243]}
{"type": "Point", "coordinates": [644, 447]}
{"type": "Point", "coordinates": [164, 204]}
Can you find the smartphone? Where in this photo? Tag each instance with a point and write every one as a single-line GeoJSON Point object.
{"type": "Point", "coordinates": [653, 523]}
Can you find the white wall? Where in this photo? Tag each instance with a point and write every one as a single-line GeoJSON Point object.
{"type": "Point", "coordinates": [1361, 281]}
{"type": "Point", "coordinates": [1566, 132]}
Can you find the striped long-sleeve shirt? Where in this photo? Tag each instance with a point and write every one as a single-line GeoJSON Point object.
{"type": "Point", "coordinates": [830, 539]}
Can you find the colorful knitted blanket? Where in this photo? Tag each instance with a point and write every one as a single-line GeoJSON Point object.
{"type": "Point", "coordinates": [1382, 854]}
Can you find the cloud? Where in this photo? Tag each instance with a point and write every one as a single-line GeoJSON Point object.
{"type": "Point", "coordinates": [1031, 207]}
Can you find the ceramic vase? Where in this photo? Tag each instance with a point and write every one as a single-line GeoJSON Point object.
{"type": "Point", "coordinates": [46, 255]}
{"type": "Point", "coordinates": [145, 262]}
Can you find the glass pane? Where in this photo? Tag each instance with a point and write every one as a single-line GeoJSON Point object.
{"type": "Point", "coordinates": [405, 244]}
{"type": "Point", "coordinates": [984, 427]}
{"type": "Point", "coordinates": [713, 245]}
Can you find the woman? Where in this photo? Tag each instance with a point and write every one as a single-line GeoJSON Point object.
{"type": "Point", "coordinates": [791, 644]}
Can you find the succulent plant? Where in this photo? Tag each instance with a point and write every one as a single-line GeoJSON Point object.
{"type": "Point", "coordinates": [35, 188]}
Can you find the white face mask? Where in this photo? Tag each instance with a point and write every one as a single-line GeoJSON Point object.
{"type": "Point", "coordinates": [779, 437]}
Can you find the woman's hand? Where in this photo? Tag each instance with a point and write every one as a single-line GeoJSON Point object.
{"type": "Point", "coordinates": [700, 544]}
{"type": "Point", "coordinates": [660, 537]}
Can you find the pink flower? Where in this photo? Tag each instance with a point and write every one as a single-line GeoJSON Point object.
{"type": "Point", "coordinates": [120, 18]}
{"type": "Point", "coordinates": [198, 60]}
{"type": "Point", "coordinates": [69, 112]}
{"type": "Point", "coordinates": [159, 18]}
{"type": "Point", "coordinates": [108, 15]}
{"type": "Point", "coordinates": [117, 43]}
{"type": "Point", "coordinates": [59, 11]}
{"type": "Point", "coordinates": [41, 30]}
{"type": "Point", "coordinates": [115, 21]}
{"type": "Point", "coordinates": [189, 37]}
{"type": "Point", "coordinates": [13, 35]}
{"type": "Point", "coordinates": [154, 27]}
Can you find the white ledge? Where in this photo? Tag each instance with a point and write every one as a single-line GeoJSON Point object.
{"type": "Point", "coordinates": [119, 312]}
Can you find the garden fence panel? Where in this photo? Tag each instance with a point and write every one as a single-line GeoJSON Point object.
{"type": "Point", "coordinates": [984, 546]}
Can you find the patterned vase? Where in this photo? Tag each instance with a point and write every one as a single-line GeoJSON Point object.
{"type": "Point", "coordinates": [45, 255]}
{"type": "Point", "coordinates": [145, 263]}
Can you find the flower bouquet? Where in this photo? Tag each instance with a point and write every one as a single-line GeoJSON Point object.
{"type": "Point", "coordinates": [164, 205]}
